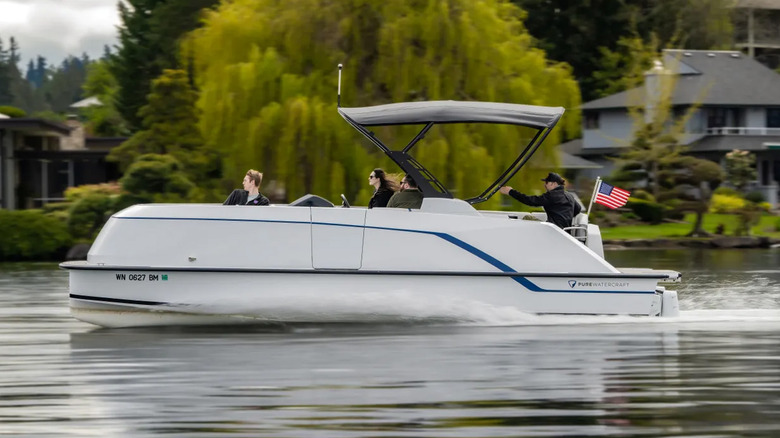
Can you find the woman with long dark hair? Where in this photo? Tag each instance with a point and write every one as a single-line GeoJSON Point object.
{"type": "Point", "coordinates": [384, 188]}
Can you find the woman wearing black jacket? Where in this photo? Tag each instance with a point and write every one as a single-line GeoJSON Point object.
{"type": "Point", "coordinates": [384, 188]}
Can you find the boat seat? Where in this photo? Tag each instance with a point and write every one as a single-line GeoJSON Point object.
{"type": "Point", "coordinates": [309, 200]}
{"type": "Point", "coordinates": [579, 227]}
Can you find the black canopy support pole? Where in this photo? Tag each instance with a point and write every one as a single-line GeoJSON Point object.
{"type": "Point", "coordinates": [426, 182]}
{"type": "Point", "coordinates": [366, 133]}
{"type": "Point", "coordinates": [510, 171]}
{"type": "Point", "coordinates": [420, 135]}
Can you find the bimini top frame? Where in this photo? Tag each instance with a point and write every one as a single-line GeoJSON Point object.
{"type": "Point", "coordinates": [541, 118]}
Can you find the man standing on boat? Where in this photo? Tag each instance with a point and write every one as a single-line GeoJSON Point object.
{"type": "Point", "coordinates": [561, 207]}
{"type": "Point", "coordinates": [251, 194]}
{"type": "Point", "coordinates": [408, 197]}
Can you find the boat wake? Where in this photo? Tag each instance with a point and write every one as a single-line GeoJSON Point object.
{"type": "Point", "coordinates": [406, 307]}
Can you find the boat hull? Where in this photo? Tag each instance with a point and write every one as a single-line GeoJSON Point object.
{"type": "Point", "coordinates": [128, 297]}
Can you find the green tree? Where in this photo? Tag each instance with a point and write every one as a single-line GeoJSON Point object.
{"type": "Point", "coordinates": [267, 75]}
{"type": "Point", "coordinates": [64, 86]}
{"type": "Point", "coordinates": [159, 178]}
{"type": "Point", "coordinates": [740, 168]}
{"type": "Point", "coordinates": [169, 126]}
{"type": "Point", "coordinates": [570, 31]}
{"type": "Point", "coordinates": [655, 158]}
{"type": "Point", "coordinates": [148, 44]}
{"type": "Point", "coordinates": [103, 119]}
{"type": "Point", "coordinates": [692, 183]}
{"type": "Point", "coordinates": [6, 98]}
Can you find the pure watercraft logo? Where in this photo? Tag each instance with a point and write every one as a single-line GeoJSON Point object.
{"type": "Point", "coordinates": [608, 284]}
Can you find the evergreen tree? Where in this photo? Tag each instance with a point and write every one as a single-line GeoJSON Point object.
{"type": "Point", "coordinates": [30, 75]}
{"type": "Point", "coordinates": [41, 72]}
{"type": "Point", "coordinates": [267, 75]}
{"type": "Point", "coordinates": [103, 119]}
{"type": "Point", "coordinates": [655, 158]}
{"type": "Point", "coordinates": [63, 87]}
{"type": "Point", "coordinates": [169, 126]}
{"type": "Point", "coordinates": [149, 37]}
{"type": "Point", "coordinates": [587, 34]}
{"type": "Point", "coordinates": [6, 98]}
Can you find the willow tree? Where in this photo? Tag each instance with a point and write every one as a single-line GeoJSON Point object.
{"type": "Point", "coordinates": [267, 74]}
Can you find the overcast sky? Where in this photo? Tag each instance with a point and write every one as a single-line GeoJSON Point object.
{"type": "Point", "coordinates": [57, 28]}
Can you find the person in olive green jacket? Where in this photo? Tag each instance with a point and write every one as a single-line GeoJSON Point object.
{"type": "Point", "coordinates": [408, 197]}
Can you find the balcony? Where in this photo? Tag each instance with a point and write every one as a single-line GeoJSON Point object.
{"type": "Point", "coordinates": [742, 130]}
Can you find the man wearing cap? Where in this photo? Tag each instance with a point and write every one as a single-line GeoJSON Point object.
{"type": "Point", "coordinates": [560, 206]}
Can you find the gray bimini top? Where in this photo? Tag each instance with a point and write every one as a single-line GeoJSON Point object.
{"type": "Point", "coordinates": [430, 113]}
{"type": "Point", "coordinates": [450, 111]}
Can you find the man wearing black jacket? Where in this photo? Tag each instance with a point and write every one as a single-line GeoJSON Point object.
{"type": "Point", "coordinates": [251, 194]}
{"type": "Point", "coordinates": [561, 207]}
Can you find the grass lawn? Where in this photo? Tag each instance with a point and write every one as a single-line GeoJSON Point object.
{"type": "Point", "coordinates": [767, 227]}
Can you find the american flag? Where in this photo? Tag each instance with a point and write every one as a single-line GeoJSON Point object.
{"type": "Point", "coordinates": [611, 196]}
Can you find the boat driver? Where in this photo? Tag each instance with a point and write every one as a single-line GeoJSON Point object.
{"type": "Point", "coordinates": [561, 206]}
{"type": "Point", "coordinates": [251, 194]}
{"type": "Point", "coordinates": [409, 196]}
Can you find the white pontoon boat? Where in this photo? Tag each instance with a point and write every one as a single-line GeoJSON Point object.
{"type": "Point", "coordinates": [312, 262]}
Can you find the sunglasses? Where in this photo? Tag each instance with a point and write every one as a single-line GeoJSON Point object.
{"type": "Point", "coordinates": [371, 176]}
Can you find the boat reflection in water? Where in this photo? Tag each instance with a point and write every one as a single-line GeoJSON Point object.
{"type": "Point", "coordinates": [355, 380]}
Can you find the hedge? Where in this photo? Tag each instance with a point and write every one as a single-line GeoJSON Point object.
{"type": "Point", "coordinates": [32, 235]}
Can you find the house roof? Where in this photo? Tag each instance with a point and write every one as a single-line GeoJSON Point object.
{"type": "Point", "coordinates": [38, 126]}
{"type": "Point", "coordinates": [569, 161]}
{"type": "Point", "coordinates": [708, 78]}
{"type": "Point", "coordinates": [89, 101]}
{"type": "Point", "coordinates": [758, 4]}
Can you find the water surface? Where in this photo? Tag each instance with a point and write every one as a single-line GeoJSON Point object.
{"type": "Point", "coordinates": [713, 372]}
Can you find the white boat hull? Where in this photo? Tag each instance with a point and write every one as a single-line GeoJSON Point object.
{"type": "Point", "coordinates": [102, 297]}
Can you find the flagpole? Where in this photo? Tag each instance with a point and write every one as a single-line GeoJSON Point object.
{"type": "Point", "coordinates": [595, 189]}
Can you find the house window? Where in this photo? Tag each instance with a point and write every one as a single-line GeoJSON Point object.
{"type": "Point", "coordinates": [592, 120]}
{"type": "Point", "coordinates": [773, 117]}
{"type": "Point", "coordinates": [716, 117]}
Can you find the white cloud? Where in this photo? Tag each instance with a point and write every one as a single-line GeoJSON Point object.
{"type": "Point", "coordinates": [57, 28]}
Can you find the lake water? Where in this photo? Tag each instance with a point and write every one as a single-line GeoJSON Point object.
{"type": "Point", "coordinates": [713, 372]}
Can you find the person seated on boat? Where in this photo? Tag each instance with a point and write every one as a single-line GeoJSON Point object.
{"type": "Point", "coordinates": [384, 188]}
{"type": "Point", "coordinates": [561, 206]}
{"type": "Point", "coordinates": [250, 195]}
{"type": "Point", "coordinates": [409, 197]}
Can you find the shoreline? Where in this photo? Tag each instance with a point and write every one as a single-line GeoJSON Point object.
{"type": "Point", "coordinates": [717, 242]}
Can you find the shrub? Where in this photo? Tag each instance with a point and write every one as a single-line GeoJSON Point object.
{"type": "Point", "coordinates": [643, 195]}
{"type": "Point", "coordinates": [647, 211]}
{"type": "Point", "coordinates": [73, 194]}
{"type": "Point", "coordinates": [755, 197]}
{"type": "Point", "coordinates": [629, 216]}
{"type": "Point", "coordinates": [32, 235]}
{"type": "Point", "coordinates": [726, 204]}
{"type": "Point", "coordinates": [88, 214]}
{"type": "Point", "coordinates": [748, 217]}
{"type": "Point", "coordinates": [153, 174]}
{"type": "Point", "coordinates": [728, 191]}
{"type": "Point", "coordinates": [12, 111]}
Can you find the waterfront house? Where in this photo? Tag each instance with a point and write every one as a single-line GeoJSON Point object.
{"type": "Point", "coordinates": [738, 108]}
{"type": "Point", "coordinates": [40, 158]}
